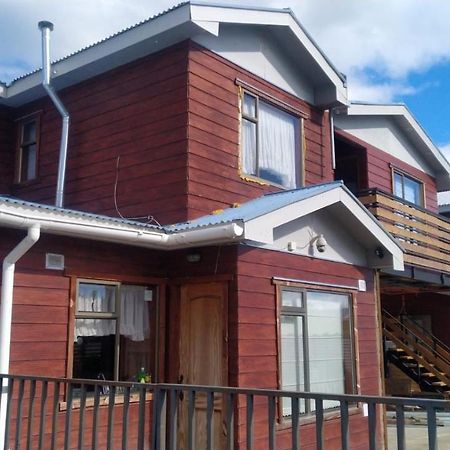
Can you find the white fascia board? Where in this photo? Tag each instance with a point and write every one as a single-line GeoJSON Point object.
{"type": "Point", "coordinates": [110, 46]}
{"type": "Point", "coordinates": [366, 219]}
{"type": "Point", "coordinates": [236, 15]}
{"type": "Point", "coordinates": [58, 223]}
{"type": "Point", "coordinates": [409, 122]}
{"type": "Point", "coordinates": [261, 228]}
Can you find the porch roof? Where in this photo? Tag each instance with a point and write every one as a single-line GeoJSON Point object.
{"type": "Point", "coordinates": [254, 221]}
{"type": "Point", "coordinates": [260, 217]}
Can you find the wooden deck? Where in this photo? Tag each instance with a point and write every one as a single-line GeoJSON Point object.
{"type": "Point", "coordinates": [425, 236]}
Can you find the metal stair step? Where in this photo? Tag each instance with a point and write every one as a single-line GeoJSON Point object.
{"type": "Point", "coordinates": [439, 383]}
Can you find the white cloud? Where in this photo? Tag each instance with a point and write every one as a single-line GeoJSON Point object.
{"type": "Point", "coordinates": [78, 23]}
{"type": "Point", "coordinates": [391, 37]}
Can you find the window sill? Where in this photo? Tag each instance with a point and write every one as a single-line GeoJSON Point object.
{"type": "Point", "coordinates": [25, 183]}
{"type": "Point", "coordinates": [263, 182]}
{"type": "Point", "coordinates": [311, 418]}
{"type": "Point", "coordinates": [104, 401]}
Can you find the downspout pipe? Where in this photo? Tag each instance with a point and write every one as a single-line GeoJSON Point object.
{"type": "Point", "coordinates": [46, 28]}
{"type": "Point", "coordinates": [9, 265]}
{"type": "Point", "coordinates": [332, 141]}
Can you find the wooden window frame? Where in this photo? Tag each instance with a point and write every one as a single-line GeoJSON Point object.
{"type": "Point", "coordinates": [259, 95]}
{"type": "Point", "coordinates": [404, 174]}
{"type": "Point", "coordinates": [308, 416]}
{"type": "Point", "coordinates": [75, 314]}
{"type": "Point", "coordinates": [21, 146]}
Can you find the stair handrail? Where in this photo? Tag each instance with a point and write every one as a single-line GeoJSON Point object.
{"type": "Point", "coordinates": [436, 341]}
{"type": "Point", "coordinates": [419, 340]}
{"type": "Point", "coordinates": [418, 358]}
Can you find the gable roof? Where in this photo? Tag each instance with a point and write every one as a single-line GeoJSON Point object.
{"type": "Point", "coordinates": [253, 221]}
{"type": "Point", "coordinates": [261, 216]}
{"type": "Point", "coordinates": [188, 20]}
{"type": "Point", "coordinates": [409, 125]}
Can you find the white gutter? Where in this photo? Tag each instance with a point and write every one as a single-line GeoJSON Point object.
{"type": "Point", "coordinates": [119, 233]}
{"type": "Point", "coordinates": [9, 264]}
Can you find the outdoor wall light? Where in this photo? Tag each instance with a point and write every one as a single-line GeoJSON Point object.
{"type": "Point", "coordinates": [193, 257]}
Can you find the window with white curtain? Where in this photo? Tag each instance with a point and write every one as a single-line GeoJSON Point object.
{"type": "Point", "coordinates": [408, 188]}
{"type": "Point", "coordinates": [113, 331]}
{"type": "Point", "coordinates": [316, 345]}
{"type": "Point", "coordinates": [270, 142]}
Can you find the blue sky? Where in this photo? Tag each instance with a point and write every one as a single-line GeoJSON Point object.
{"type": "Point", "coordinates": [391, 51]}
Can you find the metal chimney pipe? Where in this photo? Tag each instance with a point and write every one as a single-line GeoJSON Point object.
{"type": "Point", "coordinates": [46, 28]}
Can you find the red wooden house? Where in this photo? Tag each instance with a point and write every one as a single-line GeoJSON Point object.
{"type": "Point", "coordinates": [202, 238]}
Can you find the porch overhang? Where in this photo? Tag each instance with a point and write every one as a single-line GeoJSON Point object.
{"type": "Point", "coordinates": [261, 217]}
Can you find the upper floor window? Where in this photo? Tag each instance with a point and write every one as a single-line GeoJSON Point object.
{"type": "Point", "coordinates": [408, 188]}
{"type": "Point", "coordinates": [27, 150]}
{"type": "Point", "coordinates": [270, 142]}
{"type": "Point", "coordinates": [316, 345]}
{"type": "Point", "coordinates": [114, 331]}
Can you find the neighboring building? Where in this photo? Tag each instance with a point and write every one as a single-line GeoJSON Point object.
{"type": "Point", "coordinates": [385, 157]}
{"type": "Point", "coordinates": [200, 198]}
{"type": "Point", "coordinates": [444, 210]}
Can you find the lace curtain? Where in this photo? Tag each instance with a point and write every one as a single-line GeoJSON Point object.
{"type": "Point", "coordinates": [134, 317]}
{"type": "Point", "coordinates": [278, 147]}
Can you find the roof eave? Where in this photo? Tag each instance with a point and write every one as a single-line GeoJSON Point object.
{"type": "Point", "coordinates": [181, 23]}
{"type": "Point", "coordinates": [261, 228]}
{"type": "Point", "coordinates": [64, 223]}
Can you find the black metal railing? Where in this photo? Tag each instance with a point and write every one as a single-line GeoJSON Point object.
{"type": "Point", "coordinates": [55, 413]}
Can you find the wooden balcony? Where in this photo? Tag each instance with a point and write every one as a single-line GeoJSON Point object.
{"type": "Point", "coordinates": [425, 236]}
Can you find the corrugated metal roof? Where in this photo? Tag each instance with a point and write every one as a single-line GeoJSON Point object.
{"type": "Point", "coordinates": [247, 211]}
{"type": "Point", "coordinates": [192, 2]}
{"type": "Point", "coordinates": [78, 214]}
{"type": "Point", "coordinates": [103, 40]}
{"type": "Point", "coordinates": [256, 208]}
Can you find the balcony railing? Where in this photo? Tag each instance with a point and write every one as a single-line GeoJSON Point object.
{"type": "Point", "coordinates": [424, 236]}
{"type": "Point", "coordinates": [50, 413]}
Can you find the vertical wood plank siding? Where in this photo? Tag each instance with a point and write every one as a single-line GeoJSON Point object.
{"type": "Point", "coordinates": [7, 138]}
{"type": "Point", "coordinates": [379, 172]}
{"type": "Point", "coordinates": [213, 129]}
{"type": "Point", "coordinates": [137, 112]}
{"type": "Point", "coordinates": [254, 334]}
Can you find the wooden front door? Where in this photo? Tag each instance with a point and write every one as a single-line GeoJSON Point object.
{"type": "Point", "coordinates": [203, 357]}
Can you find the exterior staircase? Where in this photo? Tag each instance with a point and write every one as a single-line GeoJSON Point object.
{"type": "Point", "coordinates": [418, 354]}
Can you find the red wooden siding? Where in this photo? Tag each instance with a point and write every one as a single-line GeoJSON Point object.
{"type": "Point", "coordinates": [6, 149]}
{"type": "Point", "coordinates": [214, 180]}
{"type": "Point", "coordinates": [137, 112]}
{"type": "Point", "coordinates": [379, 172]}
{"type": "Point", "coordinates": [253, 333]}
{"type": "Point", "coordinates": [41, 297]}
